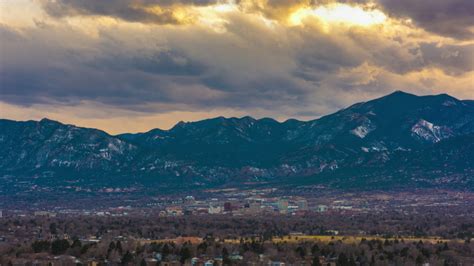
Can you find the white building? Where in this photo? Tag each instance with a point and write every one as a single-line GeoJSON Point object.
{"type": "Point", "coordinates": [214, 209]}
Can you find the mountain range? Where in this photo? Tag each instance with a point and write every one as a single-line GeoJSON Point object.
{"type": "Point", "coordinates": [396, 141]}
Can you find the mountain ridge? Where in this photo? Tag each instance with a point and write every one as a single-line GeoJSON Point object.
{"type": "Point", "coordinates": [359, 144]}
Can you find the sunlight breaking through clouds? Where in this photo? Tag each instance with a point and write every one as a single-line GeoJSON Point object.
{"type": "Point", "coordinates": [339, 14]}
{"type": "Point", "coordinates": [282, 59]}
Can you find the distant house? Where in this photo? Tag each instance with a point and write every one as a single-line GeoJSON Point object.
{"type": "Point", "coordinates": [276, 263]}
{"type": "Point", "coordinates": [194, 261]}
{"type": "Point", "coordinates": [93, 262]}
{"type": "Point", "coordinates": [236, 257]}
{"type": "Point", "coordinates": [174, 211]}
{"type": "Point", "coordinates": [170, 263]}
{"type": "Point", "coordinates": [151, 262]}
{"type": "Point", "coordinates": [158, 256]}
{"type": "Point", "coordinates": [322, 208]}
{"type": "Point", "coordinates": [66, 260]}
{"type": "Point", "coordinates": [45, 213]}
{"type": "Point", "coordinates": [296, 234]}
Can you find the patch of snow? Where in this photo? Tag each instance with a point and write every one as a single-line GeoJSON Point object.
{"type": "Point", "coordinates": [384, 157]}
{"type": "Point", "coordinates": [430, 132]}
{"type": "Point", "coordinates": [449, 103]}
{"type": "Point", "coordinates": [113, 147]}
{"type": "Point", "coordinates": [360, 131]}
{"type": "Point", "coordinates": [371, 113]}
{"type": "Point", "coordinates": [364, 128]}
{"type": "Point", "coordinates": [170, 164]}
{"type": "Point", "coordinates": [333, 166]}
{"type": "Point", "coordinates": [402, 149]}
{"type": "Point", "coordinates": [376, 147]}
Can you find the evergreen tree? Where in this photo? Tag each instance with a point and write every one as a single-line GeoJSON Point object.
{"type": "Point", "coordinates": [119, 247]}
{"type": "Point", "coordinates": [40, 246]}
{"type": "Point", "coordinates": [59, 246]}
{"type": "Point", "coordinates": [342, 260]}
{"type": "Point", "coordinates": [53, 228]}
{"type": "Point", "coordinates": [225, 256]}
{"type": "Point", "coordinates": [76, 243]}
{"type": "Point", "coordinates": [165, 251]}
{"type": "Point", "coordinates": [352, 262]}
{"type": "Point", "coordinates": [315, 249]}
{"type": "Point", "coordinates": [127, 258]}
{"type": "Point", "coordinates": [301, 251]}
{"type": "Point", "coordinates": [419, 260]}
{"type": "Point", "coordinates": [185, 254]}
{"type": "Point", "coordinates": [315, 261]}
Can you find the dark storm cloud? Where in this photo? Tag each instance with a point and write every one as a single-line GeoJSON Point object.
{"type": "Point", "coordinates": [265, 92]}
{"type": "Point", "coordinates": [236, 60]}
{"type": "Point", "coordinates": [129, 89]}
{"type": "Point", "coordinates": [129, 10]}
{"type": "Point", "coordinates": [453, 18]}
{"type": "Point", "coordinates": [454, 59]}
{"type": "Point", "coordinates": [317, 61]}
{"type": "Point", "coordinates": [162, 63]}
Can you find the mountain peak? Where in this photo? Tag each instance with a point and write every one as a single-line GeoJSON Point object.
{"type": "Point", "coordinates": [445, 96]}
{"type": "Point", "coordinates": [46, 120]}
{"type": "Point", "coordinates": [399, 93]}
{"type": "Point", "coordinates": [400, 99]}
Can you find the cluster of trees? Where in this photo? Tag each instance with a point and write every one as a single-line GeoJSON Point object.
{"type": "Point", "coordinates": [442, 224]}
{"type": "Point", "coordinates": [58, 246]}
{"type": "Point", "coordinates": [27, 236]}
{"type": "Point", "coordinates": [364, 252]}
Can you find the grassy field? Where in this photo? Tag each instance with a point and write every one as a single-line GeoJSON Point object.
{"type": "Point", "coordinates": [345, 239]}
{"type": "Point", "coordinates": [305, 238]}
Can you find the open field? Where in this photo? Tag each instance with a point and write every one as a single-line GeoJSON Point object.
{"type": "Point", "coordinates": [345, 239]}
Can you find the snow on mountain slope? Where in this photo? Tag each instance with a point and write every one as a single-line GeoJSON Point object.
{"type": "Point", "coordinates": [430, 132]}
{"type": "Point", "coordinates": [378, 134]}
{"type": "Point", "coordinates": [363, 130]}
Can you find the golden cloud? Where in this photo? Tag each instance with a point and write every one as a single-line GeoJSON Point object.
{"type": "Point", "coordinates": [273, 57]}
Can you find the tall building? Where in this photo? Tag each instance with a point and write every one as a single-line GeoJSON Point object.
{"type": "Point", "coordinates": [283, 205]}
{"type": "Point", "coordinates": [227, 207]}
{"type": "Point", "coordinates": [302, 204]}
{"type": "Point", "coordinates": [189, 200]}
{"type": "Point", "coordinates": [255, 207]}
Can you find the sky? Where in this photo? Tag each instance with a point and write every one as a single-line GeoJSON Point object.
{"type": "Point", "coordinates": [133, 65]}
